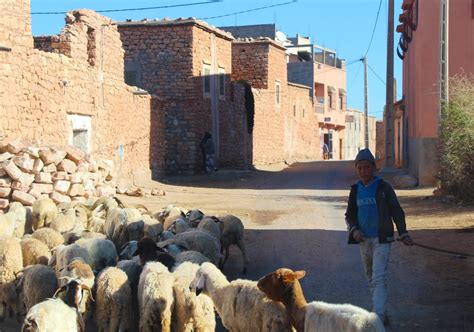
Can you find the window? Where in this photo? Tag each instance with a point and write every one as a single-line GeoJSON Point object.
{"type": "Point", "coordinates": [206, 76]}
{"type": "Point", "coordinates": [221, 83]}
{"type": "Point", "coordinates": [303, 112]}
{"type": "Point", "coordinates": [330, 101]}
{"type": "Point", "coordinates": [80, 134]}
{"type": "Point", "coordinates": [294, 110]}
{"type": "Point", "coordinates": [341, 102]}
{"type": "Point", "coordinates": [277, 93]}
{"type": "Point", "coordinates": [91, 46]}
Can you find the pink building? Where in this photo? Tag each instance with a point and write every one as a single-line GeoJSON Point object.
{"type": "Point", "coordinates": [420, 50]}
{"type": "Point", "coordinates": [325, 73]}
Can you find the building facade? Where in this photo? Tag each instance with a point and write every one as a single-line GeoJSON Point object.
{"type": "Point", "coordinates": [420, 50]}
{"type": "Point", "coordinates": [325, 73]}
{"type": "Point", "coordinates": [187, 65]}
{"type": "Point", "coordinates": [355, 133]}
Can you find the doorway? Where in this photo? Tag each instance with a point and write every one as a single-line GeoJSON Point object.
{"type": "Point", "coordinates": [328, 142]}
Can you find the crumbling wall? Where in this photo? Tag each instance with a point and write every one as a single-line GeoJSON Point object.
{"type": "Point", "coordinates": [80, 77]}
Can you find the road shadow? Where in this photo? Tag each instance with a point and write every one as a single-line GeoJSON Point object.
{"type": "Point", "coordinates": [301, 175]}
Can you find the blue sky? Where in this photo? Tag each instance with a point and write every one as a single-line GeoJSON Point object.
{"type": "Point", "coordinates": [342, 25]}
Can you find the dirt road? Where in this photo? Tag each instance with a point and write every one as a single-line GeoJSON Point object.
{"type": "Point", "coordinates": [295, 218]}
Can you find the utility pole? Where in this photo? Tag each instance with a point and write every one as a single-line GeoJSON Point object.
{"type": "Point", "coordinates": [389, 148]}
{"type": "Point", "coordinates": [366, 104]}
{"type": "Point", "coordinates": [443, 60]}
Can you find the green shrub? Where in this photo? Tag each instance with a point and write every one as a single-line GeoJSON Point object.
{"type": "Point", "coordinates": [456, 144]}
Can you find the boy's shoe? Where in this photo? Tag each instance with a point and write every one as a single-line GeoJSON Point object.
{"type": "Point", "coordinates": [386, 321]}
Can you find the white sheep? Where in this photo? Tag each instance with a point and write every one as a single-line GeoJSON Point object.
{"type": "Point", "coordinates": [123, 225]}
{"type": "Point", "coordinates": [13, 222]}
{"type": "Point", "coordinates": [44, 212]}
{"type": "Point", "coordinates": [34, 252]}
{"type": "Point", "coordinates": [98, 253]}
{"type": "Point", "coordinates": [48, 236]}
{"type": "Point", "coordinates": [133, 269]}
{"type": "Point", "coordinates": [283, 286]}
{"type": "Point", "coordinates": [191, 312]}
{"type": "Point", "coordinates": [232, 232]}
{"type": "Point", "coordinates": [37, 283]}
{"type": "Point", "coordinates": [11, 263]}
{"type": "Point", "coordinates": [155, 297]}
{"type": "Point", "coordinates": [240, 304]}
{"type": "Point", "coordinates": [113, 301]}
{"type": "Point", "coordinates": [65, 221]}
{"type": "Point", "coordinates": [81, 273]}
{"type": "Point", "coordinates": [197, 240]}
{"type": "Point", "coordinates": [52, 315]}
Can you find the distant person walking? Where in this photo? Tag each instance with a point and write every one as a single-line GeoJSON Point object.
{"type": "Point", "coordinates": [208, 152]}
{"type": "Point", "coordinates": [372, 210]}
{"type": "Point", "coordinates": [325, 151]}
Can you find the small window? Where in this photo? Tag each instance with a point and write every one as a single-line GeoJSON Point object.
{"type": "Point", "coordinates": [341, 102]}
{"type": "Point", "coordinates": [303, 112]}
{"type": "Point", "coordinates": [221, 83]}
{"type": "Point", "coordinates": [330, 101]}
{"type": "Point", "coordinates": [80, 139]}
{"type": "Point", "coordinates": [206, 76]}
{"type": "Point", "coordinates": [294, 110]}
{"type": "Point", "coordinates": [277, 93]}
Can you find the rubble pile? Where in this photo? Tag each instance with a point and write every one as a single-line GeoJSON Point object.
{"type": "Point", "coordinates": [64, 174]}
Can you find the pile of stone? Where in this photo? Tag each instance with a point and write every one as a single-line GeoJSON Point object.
{"type": "Point", "coordinates": [64, 174]}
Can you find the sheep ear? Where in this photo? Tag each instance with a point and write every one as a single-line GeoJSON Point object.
{"type": "Point", "coordinates": [59, 290]}
{"type": "Point", "coordinates": [300, 274]}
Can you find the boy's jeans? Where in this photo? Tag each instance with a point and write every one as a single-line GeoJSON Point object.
{"type": "Point", "coordinates": [375, 258]}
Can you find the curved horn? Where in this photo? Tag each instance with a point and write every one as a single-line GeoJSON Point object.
{"type": "Point", "coordinates": [59, 290]}
{"type": "Point", "coordinates": [89, 290]}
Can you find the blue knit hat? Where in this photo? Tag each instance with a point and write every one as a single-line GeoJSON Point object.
{"type": "Point", "coordinates": [365, 154]}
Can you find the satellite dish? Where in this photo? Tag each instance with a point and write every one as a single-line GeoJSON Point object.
{"type": "Point", "coordinates": [280, 36]}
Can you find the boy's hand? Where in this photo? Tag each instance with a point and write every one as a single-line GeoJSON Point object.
{"type": "Point", "coordinates": [358, 235]}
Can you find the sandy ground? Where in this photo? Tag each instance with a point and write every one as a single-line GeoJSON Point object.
{"type": "Point", "coordinates": [294, 217]}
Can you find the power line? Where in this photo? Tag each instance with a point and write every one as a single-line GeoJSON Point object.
{"type": "Point", "coordinates": [373, 30]}
{"type": "Point", "coordinates": [380, 79]}
{"type": "Point", "coordinates": [249, 10]}
{"type": "Point", "coordinates": [135, 9]}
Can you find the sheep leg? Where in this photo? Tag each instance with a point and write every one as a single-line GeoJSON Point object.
{"type": "Point", "coordinates": [241, 245]}
{"type": "Point", "coordinates": [226, 255]}
{"type": "Point", "coordinates": [2, 311]}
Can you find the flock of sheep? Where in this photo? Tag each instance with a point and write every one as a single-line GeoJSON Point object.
{"type": "Point", "coordinates": [103, 265]}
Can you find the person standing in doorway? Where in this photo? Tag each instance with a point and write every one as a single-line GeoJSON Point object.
{"type": "Point", "coordinates": [325, 151]}
{"type": "Point", "coordinates": [372, 209]}
{"type": "Point", "coordinates": [208, 151]}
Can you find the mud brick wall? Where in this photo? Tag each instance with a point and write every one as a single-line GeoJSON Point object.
{"type": "Point", "coordinates": [168, 59]}
{"type": "Point", "coordinates": [80, 76]}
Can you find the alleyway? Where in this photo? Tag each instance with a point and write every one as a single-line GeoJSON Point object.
{"type": "Point", "coordinates": [295, 218]}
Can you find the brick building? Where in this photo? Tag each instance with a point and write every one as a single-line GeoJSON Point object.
{"type": "Point", "coordinates": [69, 88]}
{"type": "Point", "coordinates": [186, 64]}
{"type": "Point", "coordinates": [285, 125]}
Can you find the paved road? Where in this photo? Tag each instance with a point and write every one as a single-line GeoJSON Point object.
{"type": "Point", "coordinates": [295, 218]}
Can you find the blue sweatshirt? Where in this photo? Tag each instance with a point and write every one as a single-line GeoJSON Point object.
{"type": "Point", "coordinates": [367, 213]}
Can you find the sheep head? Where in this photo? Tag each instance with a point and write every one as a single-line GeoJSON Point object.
{"type": "Point", "coordinates": [74, 292]}
{"type": "Point", "coordinates": [276, 284]}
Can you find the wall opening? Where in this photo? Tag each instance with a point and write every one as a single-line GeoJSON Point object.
{"type": "Point", "coordinates": [80, 131]}
{"type": "Point", "coordinates": [91, 46]}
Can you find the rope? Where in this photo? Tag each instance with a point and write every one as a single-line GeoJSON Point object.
{"type": "Point", "coordinates": [460, 254]}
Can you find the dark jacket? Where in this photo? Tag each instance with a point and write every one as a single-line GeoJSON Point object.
{"type": "Point", "coordinates": [388, 208]}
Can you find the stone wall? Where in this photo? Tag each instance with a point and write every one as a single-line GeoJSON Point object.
{"type": "Point", "coordinates": [170, 58]}
{"type": "Point", "coordinates": [51, 98]}
{"type": "Point", "coordinates": [280, 132]}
